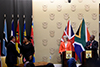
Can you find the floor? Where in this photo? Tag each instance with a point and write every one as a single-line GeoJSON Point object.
{"type": "Point", "coordinates": [59, 65]}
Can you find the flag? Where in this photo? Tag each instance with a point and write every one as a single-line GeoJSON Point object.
{"type": "Point", "coordinates": [81, 37]}
{"type": "Point", "coordinates": [24, 34]}
{"type": "Point", "coordinates": [24, 29]}
{"type": "Point", "coordinates": [5, 40]}
{"type": "Point", "coordinates": [70, 34]}
{"type": "Point", "coordinates": [32, 40]}
{"type": "Point", "coordinates": [12, 29]}
{"type": "Point", "coordinates": [18, 37]}
{"type": "Point", "coordinates": [18, 40]}
{"type": "Point", "coordinates": [87, 34]}
{"type": "Point", "coordinates": [19, 34]}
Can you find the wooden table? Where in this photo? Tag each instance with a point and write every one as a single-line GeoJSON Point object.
{"type": "Point", "coordinates": [37, 64]}
{"type": "Point", "coordinates": [40, 64]}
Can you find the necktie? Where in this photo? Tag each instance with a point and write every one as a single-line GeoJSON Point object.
{"type": "Point", "coordinates": [91, 44]}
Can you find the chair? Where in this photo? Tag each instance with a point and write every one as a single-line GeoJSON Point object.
{"type": "Point", "coordinates": [3, 58]}
{"type": "Point", "coordinates": [3, 64]}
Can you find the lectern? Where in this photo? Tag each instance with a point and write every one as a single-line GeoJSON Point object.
{"type": "Point", "coordinates": [66, 56]}
{"type": "Point", "coordinates": [86, 54]}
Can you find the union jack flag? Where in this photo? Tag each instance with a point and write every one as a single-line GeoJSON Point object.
{"type": "Point", "coordinates": [70, 34]}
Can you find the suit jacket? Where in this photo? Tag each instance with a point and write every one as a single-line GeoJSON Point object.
{"type": "Point", "coordinates": [27, 50]}
{"type": "Point", "coordinates": [94, 45]}
{"type": "Point", "coordinates": [94, 48]}
{"type": "Point", "coordinates": [12, 54]}
{"type": "Point", "coordinates": [62, 47]}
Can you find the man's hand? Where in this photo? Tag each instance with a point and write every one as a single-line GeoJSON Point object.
{"type": "Point", "coordinates": [20, 55]}
{"type": "Point", "coordinates": [88, 46]}
{"type": "Point", "coordinates": [30, 57]}
{"type": "Point", "coordinates": [60, 53]}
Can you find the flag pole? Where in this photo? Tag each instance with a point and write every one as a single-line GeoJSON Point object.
{"type": "Point", "coordinates": [6, 22]}
{"type": "Point", "coordinates": [17, 17]}
{"type": "Point", "coordinates": [11, 24]}
{"type": "Point", "coordinates": [32, 17]}
{"type": "Point", "coordinates": [12, 17]}
{"type": "Point", "coordinates": [4, 17]}
{"type": "Point", "coordinates": [71, 41]}
{"type": "Point", "coordinates": [24, 18]}
{"type": "Point", "coordinates": [23, 26]}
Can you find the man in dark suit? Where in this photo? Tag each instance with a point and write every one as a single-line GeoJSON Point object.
{"type": "Point", "coordinates": [92, 45]}
{"type": "Point", "coordinates": [12, 54]}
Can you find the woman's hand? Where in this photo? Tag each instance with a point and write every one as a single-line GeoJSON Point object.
{"type": "Point", "coordinates": [30, 57]}
{"type": "Point", "coordinates": [60, 53]}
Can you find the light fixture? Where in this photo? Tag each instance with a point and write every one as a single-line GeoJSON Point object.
{"type": "Point", "coordinates": [69, 1]}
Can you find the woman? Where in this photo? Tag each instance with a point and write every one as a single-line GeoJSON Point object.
{"type": "Point", "coordinates": [27, 49]}
{"type": "Point", "coordinates": [65, 46]}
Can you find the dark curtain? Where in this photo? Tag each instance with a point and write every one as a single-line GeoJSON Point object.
{"type": "Point", "coordinates": [15, 7]}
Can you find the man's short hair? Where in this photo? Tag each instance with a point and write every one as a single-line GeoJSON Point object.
{"type": "Point", "coordinates": [93, 36]}
{"type": "Point", "coordinates": [11, 37]}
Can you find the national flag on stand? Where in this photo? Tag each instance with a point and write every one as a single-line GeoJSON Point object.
{"type": "Point", "coordinates": [18, 37]}
{"type": "Point", "coordinates": [32, 40]}
{"type": "Point", "coordinates": [81, 37]}
{"type": "Point", "coordinates": [24, 34]}
{"type": "Point", "coordinates": [24, 29]}
{"type": "Point", "coordinates": [12, 29]}
{"type": "Point", "coordinates": [87, 34]}
{"type": "Point", "coordinates": [5, 40]}
{"type": "Point", "coordinates": [70, 34]}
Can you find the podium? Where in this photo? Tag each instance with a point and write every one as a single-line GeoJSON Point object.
{"type": "Point", "coordinates": [64, 59]}
{"type": "Point", "coordinates": [86, 54]}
